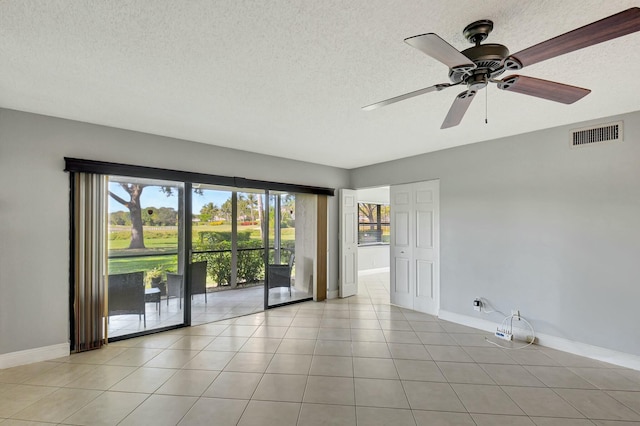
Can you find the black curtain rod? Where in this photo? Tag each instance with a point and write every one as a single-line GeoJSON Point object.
{"type": "Point", "coordinates": [107, 168]}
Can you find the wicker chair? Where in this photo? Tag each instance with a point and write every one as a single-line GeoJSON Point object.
{"type": "Point", "coordinates": [199, 279]}
{"type": "Point", "coordinates": [126, 295]}
{"type": "Point", "coordinates": [198, 282]}
{"type": "Point", "coordinates": [280, 275]}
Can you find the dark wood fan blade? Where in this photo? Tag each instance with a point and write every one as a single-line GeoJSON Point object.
{"type": "Point", "coordinates": [458, 109]}
{"type": "Point", "coordinates": [618, 25]}
{"type": "Point", "coordinates": [437, 87]}
{"type": "Point", "coordinates": [545, 89]}
{"type": "Point", "coordinates": [437, 48]}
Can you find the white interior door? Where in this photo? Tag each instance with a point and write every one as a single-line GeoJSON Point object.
{"type": "Point", "coordinates": [425, 250]}
{"type": "Point", "coordinates": [348, 285]}
{"type": "Point", "coordinates": [415, 274]}
{"type": "Point", "coordinates": [401, 246]}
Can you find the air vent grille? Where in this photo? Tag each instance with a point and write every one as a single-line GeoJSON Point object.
{"type": "Point", "coordinates": [610, 132]}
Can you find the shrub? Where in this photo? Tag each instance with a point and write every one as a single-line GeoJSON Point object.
{"type": "Point", "coordinates": [120, 235]}
{"type": "Point", "coordinates": [250, 266]}
{"type": "Point", "coordinates": [288, 223]}
{"type": "Point", "coordinates": [157, 235]}
{"type": "Point", "coordinates": [210, 238]}
{"type": "Point", "coordinates": [287, 249]}
{"type": "Point", "coordinates": [153, 275]}
{"type": "Point", "coordinates": [250, 262]}
{"type": "Point", "coordinates": [218, 263]}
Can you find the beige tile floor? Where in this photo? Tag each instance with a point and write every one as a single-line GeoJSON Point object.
{"type": "Point", "coordinates": [357, 361]}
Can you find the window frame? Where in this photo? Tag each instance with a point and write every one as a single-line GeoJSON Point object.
{"type": "Point", "coordinates": [379, 224]}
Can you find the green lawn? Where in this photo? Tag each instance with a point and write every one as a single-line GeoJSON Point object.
{"type": "Point", "coordinates": [160, 244]}
{"type": "Point", "coordinates": [123, 260]}
{"type": "Point", "coordinates": [132, 264]}
{"type": "Point", "coordinates": [168, 240]}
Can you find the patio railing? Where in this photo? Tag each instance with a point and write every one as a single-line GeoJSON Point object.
{"type": "Point", "coordinates": [250, 263]}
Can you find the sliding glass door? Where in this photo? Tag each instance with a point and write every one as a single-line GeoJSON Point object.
{"type": "Point", "coordinates": [183, 253]}
{"type": "Point", "coordinates": [228, 245]}
{"type": "Point", "coordinates": [292, 247]}
{"type": "Point", "coordinates": [145, 253]}
{"type": "Point", "coordinates": [240, 240]}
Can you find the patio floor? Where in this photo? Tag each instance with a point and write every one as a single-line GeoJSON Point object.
{"type": "Point", "coordinates": [221, 304]}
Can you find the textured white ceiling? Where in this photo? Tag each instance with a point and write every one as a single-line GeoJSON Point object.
{"type": "Point", "coordinates": [288, 78]}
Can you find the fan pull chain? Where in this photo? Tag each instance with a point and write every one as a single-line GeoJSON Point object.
{"type": "Point", "coordinates": [486, 105]}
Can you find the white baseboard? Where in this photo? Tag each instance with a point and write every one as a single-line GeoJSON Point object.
{"type": "Point", "coordinates": [332, 294]}
{"type": "Point", "coordinates": [45, 353]}
{"type": "Point", "coordinates": [577, 348]}
{"type": "Point", "coordinates": [479, 323]}
{"type": "Point", "coordinates": [374, 271]}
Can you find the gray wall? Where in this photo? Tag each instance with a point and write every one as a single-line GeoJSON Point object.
{"type": "Point", "coordinates": [526, 222]}
{"type": "Point", "coordinates": [34, 208]}
{"type": "Point", "coordinates": [529, 223]}
{"type": "Point", "coordinates": [373, 257]}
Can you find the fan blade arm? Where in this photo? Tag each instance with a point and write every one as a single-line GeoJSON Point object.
{"type": "Point", "coordinates": [458, 109]}
{"type": "Point", "coordinates": [434, 88]}
{"type": "Point", "coordinates": [438, 49]}
{"type": "Point", "coordinates": [545, 89]}
{"type": "Point", "coordinates": [614, 26]}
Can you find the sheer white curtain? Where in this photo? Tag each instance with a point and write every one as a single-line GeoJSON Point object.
{"type": "Point", "coordinates": [89, 243]}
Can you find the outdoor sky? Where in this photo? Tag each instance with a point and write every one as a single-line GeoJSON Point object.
{"type": "Point", "coordinates": [152, 196]}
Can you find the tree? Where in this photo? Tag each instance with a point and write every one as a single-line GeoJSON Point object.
{"type": "Point", "coordinates": [208, 212]}
{"type": "Point", "coordinates": [226, 210]}
{"type": "Point", "coordinates": [288, 210]}
{"type": "Point", "coordinates": [135, 211]}
{"type": "Point", "coordinates": [261, 217]}
{"type": "Point", "coordinates": [369, 210]}
{"type": "Point", "coordinates": [385, 213]}
{"type": "Point", "coordinates": [252, 202]}
{"type": "Point", "coordinates": [149, 216]}
{"type": "Point", "coordinates": [166, 216]}
{"type": "Point", "coordinates": [243, 206]}
{"type": "Point", "coordinates": [119, 218]}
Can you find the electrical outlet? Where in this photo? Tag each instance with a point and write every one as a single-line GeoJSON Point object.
{"type": "Point", "coordinates": [477, 305]}
{"type": "Point", "coordinates": [516, 314]}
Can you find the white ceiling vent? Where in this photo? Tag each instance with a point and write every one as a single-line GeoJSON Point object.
{"type": "Point", "coordinates": [609, 132]}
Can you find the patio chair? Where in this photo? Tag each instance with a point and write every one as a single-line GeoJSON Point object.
{"type": "Point", "coordinates": [126, 295]}
{"type": "Point", "coordinates": [174, 287]}
{"type": "Point", "coordinates": [280, 275]}
{"type": "Point", "coordinates": [199, 279]}
{"type": "Point", "coordinates": [198, 282]}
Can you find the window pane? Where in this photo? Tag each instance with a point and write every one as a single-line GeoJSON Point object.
{"type": "Point", "coordinates": [292, 244]}
{"type": "Point", "coordinates": [373, 226]}
{"type": "Point", "coordinates": [145, 241]}
{"type": "Point", "coordinates": [228, 251]}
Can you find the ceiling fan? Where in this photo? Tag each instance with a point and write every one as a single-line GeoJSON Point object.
{"type": "Point", "coordinates": [481, 64]}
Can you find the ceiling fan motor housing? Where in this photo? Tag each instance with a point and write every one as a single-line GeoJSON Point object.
{"type": "Point", "coordinates": [488, 59]}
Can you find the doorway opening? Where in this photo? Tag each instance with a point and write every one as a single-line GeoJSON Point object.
{"type": "Point", "coordinates": [398, 236]}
